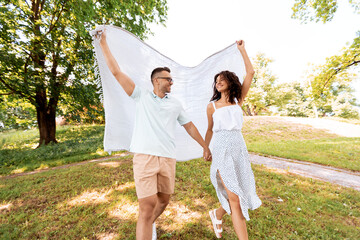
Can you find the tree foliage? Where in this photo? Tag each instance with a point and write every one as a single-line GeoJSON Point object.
{"type": "Point", "coordinates": [46, 52]}
{"type": "Point", "coordinates": [259, 97]}
{"type": "Point", "coordinates": [299, 99]}
{"type": "Point", "coordinates": [299, 103]}
{"type": "Point", "coordinates": [349, 58]}
{"type": "Point", "coordinates": [319, 10]}
{"type": "Point", "coordinates": [264, 92]}
{"type": "Point", "coordinates": [16, 113]}
{"type": "Point", "coordinates": [335, 68]}
{"type": "Point", "coordinates": [338, 101]}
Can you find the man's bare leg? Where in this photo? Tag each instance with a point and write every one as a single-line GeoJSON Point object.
{"type": "Point", "coordinates": [162, 201]}
{"type": "Point", "coordinates": [146, 215]}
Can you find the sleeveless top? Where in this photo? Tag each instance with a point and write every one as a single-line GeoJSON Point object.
{"type": "Point", "coordinates": [228, 117]}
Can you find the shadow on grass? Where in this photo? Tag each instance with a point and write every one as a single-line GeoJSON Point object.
{"type": "Point", "coordinates": [98, 201]}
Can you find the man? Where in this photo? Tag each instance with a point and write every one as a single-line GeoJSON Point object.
{"type": "Point", "coordinates": [153, 142]}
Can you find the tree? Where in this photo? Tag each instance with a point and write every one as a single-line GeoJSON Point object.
{"type": "Point", "coordinates": [299, 103]}
{"type": "Point", "coordinates": [318, 10]}
{"type": "Point", "coordinates": [344, 106]}
{"type": "Point", "coordinates": [16, 113]}
{"type": "Point", "coordinates": [324, 10]}
{"type": "Point", "coordinates": [46, 51]}
{"type": "Point", "coordinates": [336, 67]}
{"type": "Point", "coordinates": [338, 99]}
{"type": "Point", "coordinates": [264, 92]}
{"type": "Point", "coordinates": [324, 98]}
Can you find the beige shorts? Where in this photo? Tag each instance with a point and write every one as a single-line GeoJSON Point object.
{"type": "Point", "coordinates": [153, 174]}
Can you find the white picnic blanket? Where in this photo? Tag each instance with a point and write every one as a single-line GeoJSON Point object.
{"type": "Point", "coordinates": [193, 86]}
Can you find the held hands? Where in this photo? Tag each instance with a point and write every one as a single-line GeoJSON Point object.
{"type": "Point", "coordinates": [207, 154]}
{"type": "Point", "coordinates": [240, 45]}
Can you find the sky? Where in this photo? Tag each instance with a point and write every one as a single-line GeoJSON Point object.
{"type": "Point", "coordinates": [195, 29]}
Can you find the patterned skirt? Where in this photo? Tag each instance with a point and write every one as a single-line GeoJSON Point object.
{"type": "Point", "coordinates": [231, 160]}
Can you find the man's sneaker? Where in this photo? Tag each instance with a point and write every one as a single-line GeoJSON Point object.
{"type": "Point", "coordinates": [153, 232]}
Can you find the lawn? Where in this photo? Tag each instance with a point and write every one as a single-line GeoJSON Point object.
{"type": "Point", "coordinates": [274, 136]}
{"type": "Point", "coordinates": [98, 201]}
{"type": "Point", "coordinates": [263, 135]}
{"type": "Point", "coordinates": [76, 143]}
{"type": "Point", "coordinates": [352, 121]}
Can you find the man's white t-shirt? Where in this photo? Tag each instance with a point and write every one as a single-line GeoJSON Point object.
{"type": "Point", "coordinates": [155, 122]}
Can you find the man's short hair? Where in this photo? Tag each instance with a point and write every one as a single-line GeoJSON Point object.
{"type": "Point", "coordinates": [157, 70]}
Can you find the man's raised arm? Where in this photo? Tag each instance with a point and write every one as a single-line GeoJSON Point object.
{"type": "Point", "coordinates": [126, 83]}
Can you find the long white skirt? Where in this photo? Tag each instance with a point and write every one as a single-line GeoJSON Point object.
{"type": "Point", "coordinates": [231, 160]}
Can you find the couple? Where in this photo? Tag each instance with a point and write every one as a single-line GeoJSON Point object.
{"type": "Point", "coordinates": [153, 145]}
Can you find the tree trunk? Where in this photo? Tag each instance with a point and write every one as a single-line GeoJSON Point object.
{"type": "Point", "coordinates": [47, 126]}
{"type": "Point", "coordinates": [46, 119]}
{"type": "Point", "coordinates": [253, 111]}
{"type": "Point", "coordinates": [248, 111]}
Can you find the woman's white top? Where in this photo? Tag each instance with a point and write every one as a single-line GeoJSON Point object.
{"type": "Point", "coordinates": [228, 117]}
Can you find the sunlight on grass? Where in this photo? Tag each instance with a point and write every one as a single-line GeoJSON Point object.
{"type": "Point", "coordinates": [90, 198]}
{"type": "Point", "coordinates": [275, 137]}
{"type": "Point", "coordinates": [99, 153]}
{"type": "Point", "coordinates": [276, 128]}
{"type": "Point", "coordinates": [125, 210]}
{"type": "Point", "coordinates": [110, 164]}
{"type": "Point", "coordinates": [175, 216]}
{"type": "Point", "coordinates": [325, 151]}
{"type": "Point", "coordinates": [43, 166]}
{"type": "Point", "coordinates": [352, 121]}
{"type": "Point", "coordinates": [276, 170]}
{"type": "Point", "coordinates": [265, 135]}
{"type": "Point", "coordinates": [11, 147]}
{"type": "Point", "coordinates": [19, 170]}
{"type": "Point", "coordinates": [106, 236]}
{"type": "Point", "coordinates": [96, 197]}
{"type": "Point", "coordinates": [337, 142]}
{"type": "Point", "coordinates": [4, 207]}
{"type": "Point", "coordinates": [199, 202]}
{"type": "Point", "coordinates": [179, 215]}
{"type": "Point", "coordinates": [95, 202]}
{"type": "Point", "coordinates": [125, 186]}
{"type": "Point", "coordinates": [30, 145]}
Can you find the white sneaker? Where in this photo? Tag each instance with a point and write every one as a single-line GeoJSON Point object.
{"type": "Point", "coordinates": [154, 236]}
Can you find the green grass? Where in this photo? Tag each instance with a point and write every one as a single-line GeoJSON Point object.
{"type": "Point", "coordinates": [76, 143]}
{"type": "Point", "coordinates": [345, 120]}
{"type": "Point", "coordinates": [98, 200]}
{"type": "Point", "coordinates": [338, 152]}
{"type": "Point", "coordinates": [263, 135]}
{"type": "Point", "coordinates": [276, 137]}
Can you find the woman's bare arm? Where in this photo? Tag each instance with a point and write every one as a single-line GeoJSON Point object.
{"type": "Point", "coordinates": [249, 71]}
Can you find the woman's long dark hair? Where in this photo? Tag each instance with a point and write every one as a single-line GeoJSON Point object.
{"type": "Point", "coordinates": [234, 86]}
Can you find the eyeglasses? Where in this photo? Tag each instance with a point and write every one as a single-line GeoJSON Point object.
{"type": "Point", "coordinates": [169, 79]}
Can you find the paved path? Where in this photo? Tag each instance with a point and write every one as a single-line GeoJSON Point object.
{"type": "Point", "coordinates": [312, 170]}
{"type": "Point", "coordinates": [339, 128]}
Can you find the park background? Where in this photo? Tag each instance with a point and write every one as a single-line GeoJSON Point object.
{"type": "Point", "coordinates": [306, 57]}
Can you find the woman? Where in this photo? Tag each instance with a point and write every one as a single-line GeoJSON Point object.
{"type": "Point", "coordinates": [230, 171]}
